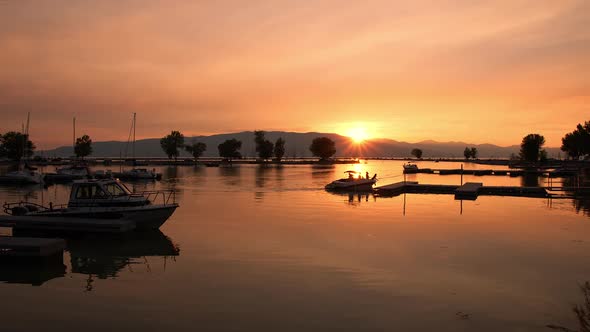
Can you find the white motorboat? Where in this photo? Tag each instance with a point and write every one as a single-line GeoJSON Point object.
{"type": "Point", "coordinates": [138, 174]}
{"type": "Point", "coordinates": [68, 173]}
{"type": "Point", "coordinates": [354, 182]}
{"type": "Point", "coordinates": [410, 168]}
{"type": "Point", "coordinates": [74, 171]}
{"type": "Point", "coordinates": [105, 199]}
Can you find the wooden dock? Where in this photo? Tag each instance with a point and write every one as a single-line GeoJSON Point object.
{"type": "Point", "coordinates": [469, 190]}
{"type": "Point", "coordinates": [57, 224]}
{"type": "Point", "coordinates": [30, 247]}
{"type": "Point", "coordinates": [483, 172]}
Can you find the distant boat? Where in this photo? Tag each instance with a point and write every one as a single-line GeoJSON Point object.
{"type": "Point", "coordinates": [354, 182]}
{"type": "Point", "coordinates": [410, 168]}
{"type": "Point", "coordinates": [105, 199]}
{"type": "Point", "coordinates": [68, 173]}
{"type": "Point", "coordinates": [25, 174]}
{"type": "Point", "coordinates": [137, 173]}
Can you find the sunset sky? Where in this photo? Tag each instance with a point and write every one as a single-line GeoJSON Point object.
{"type": "Point", "coordinates": [479, 72]}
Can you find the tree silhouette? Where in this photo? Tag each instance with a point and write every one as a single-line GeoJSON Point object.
{"type": "Point", "coordinates": [279, 150]}
{"type": "Point", "coordinates": [467, 153]}
{"type": "Point", "coordinates": [264, 147]}
{"type": "Point", "coordinates": [474, 153]}
{"type": "Point", "coordinates": [577, 143]}
{"type": "Point", "coordinates": [229, 149]}
{"type": "Point", "coordinates": [323, 147]}
{"type": "Point", "coordinates": [171, 143]}
{"type": "Point", "coordinates": [530, 148]}
{"type": "Point", "coordinates": [83, 146]}
{"type": "Point", "coordinates": [417, 153]}
{"type": "Point", "coordinates": [196, 149]}
{"type": "Point", "coordinates": [15, 146]}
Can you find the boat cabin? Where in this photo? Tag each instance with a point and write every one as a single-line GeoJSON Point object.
{"type": "Point", "coordinates": [103, 193]}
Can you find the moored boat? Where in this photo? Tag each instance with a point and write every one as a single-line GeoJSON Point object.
{"type": "Point", "coordinates": [354, 182]}
{"type": "Point", "coordinates": [24, 176]}
{"type": "Point", "coordinates": [138, 174]}
{"type": "Point", "coordinates": [410, 168]}
{"type": "Point", "coordinates": [105, 199]}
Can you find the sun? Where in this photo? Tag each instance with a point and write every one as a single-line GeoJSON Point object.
{"type": "Point", "coordinates": [358, 134]}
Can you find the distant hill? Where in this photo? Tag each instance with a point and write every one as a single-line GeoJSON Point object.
{"type": "Point", "coordinates": [297, 145]}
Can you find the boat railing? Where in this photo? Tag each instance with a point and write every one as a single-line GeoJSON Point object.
{"type": "Point", "coordinates": [31, 207]}
{"type": "Point", "coordinates": [167, 196]}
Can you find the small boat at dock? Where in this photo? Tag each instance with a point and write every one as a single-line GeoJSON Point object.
{"type": "Point", "coordinates": [410, 168]}
{"type": "Point", "coordinates": [354, 182]}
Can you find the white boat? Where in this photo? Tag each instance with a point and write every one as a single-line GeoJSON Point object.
{"type": "Point", "coordinates": [74, 171]}
{"type": "Point", "coordinates": [105, 199]}
{"type": "Point", "coordinates": [410, 168]}
{"type": "Point", "coordinates": [24, 176]}
{"type": "Point", "coordinates": [138, 174]}
{"type": "Point", "coordinates": [354, 182]}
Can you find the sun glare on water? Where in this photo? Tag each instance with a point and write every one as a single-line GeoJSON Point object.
{"type": "Point", "coordinates": [358, 134]}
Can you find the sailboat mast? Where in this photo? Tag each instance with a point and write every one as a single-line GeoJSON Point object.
{"type": "Point", "coordinates": [74, 136]}
{"type": "Point", "coordinates": [133, 148]}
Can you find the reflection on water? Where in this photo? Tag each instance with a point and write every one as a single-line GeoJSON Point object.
{"type": "Point", "coordinates": [530, 180]}
{"type": "Point", "coordinates": [581, 311]}
{"type": "Point", "coordinates": [31, 271]}
{"type": "Point", "coordinates": [105, 256]}
{"type": "Point", "coordinates": [101, 256]}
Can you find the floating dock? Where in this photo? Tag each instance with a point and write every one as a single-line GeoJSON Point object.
{"type": "Point", "coordinates": [57, 224]}
{"type": "Point", "coordinates": [469, 190]}
{"type": "Point", "coordinates": [30, 247]}
{"type": "Point", "coordinates": [502, 172]}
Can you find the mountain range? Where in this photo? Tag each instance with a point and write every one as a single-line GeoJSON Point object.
{"type": "Point", "coordinates": [297, 145]}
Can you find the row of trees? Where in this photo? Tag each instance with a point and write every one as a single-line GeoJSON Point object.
{"type": "Point", "coordinates": [16, 146]}
{"type": "Point", "coordinates": [322, 147]}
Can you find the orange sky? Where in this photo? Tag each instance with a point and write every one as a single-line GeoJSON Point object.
{"type": "Point", "coordinates": [452, 70]}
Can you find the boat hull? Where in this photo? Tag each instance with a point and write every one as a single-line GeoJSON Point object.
{"type": "Point", "coordinates": [144, 217]}
{"type": "Point", "coordinates": [358, 185]}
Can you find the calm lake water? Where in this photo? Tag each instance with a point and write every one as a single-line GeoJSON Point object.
{"type": "Point", "coordinates": [267, 249]}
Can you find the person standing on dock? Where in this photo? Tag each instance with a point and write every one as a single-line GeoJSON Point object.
{"type": "Point", "coordinates": [367, 174]}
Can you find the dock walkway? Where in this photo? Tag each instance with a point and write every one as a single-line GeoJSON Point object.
{"type": "Point", "coordinates": [503, 172]}
{"type": "Point", "coordinates": [469, 190]}
{"type": "Point", "coordinates": [30, 247]}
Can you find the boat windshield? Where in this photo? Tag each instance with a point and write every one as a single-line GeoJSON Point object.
{"type": "Point", "coordinates": [115, 189]}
